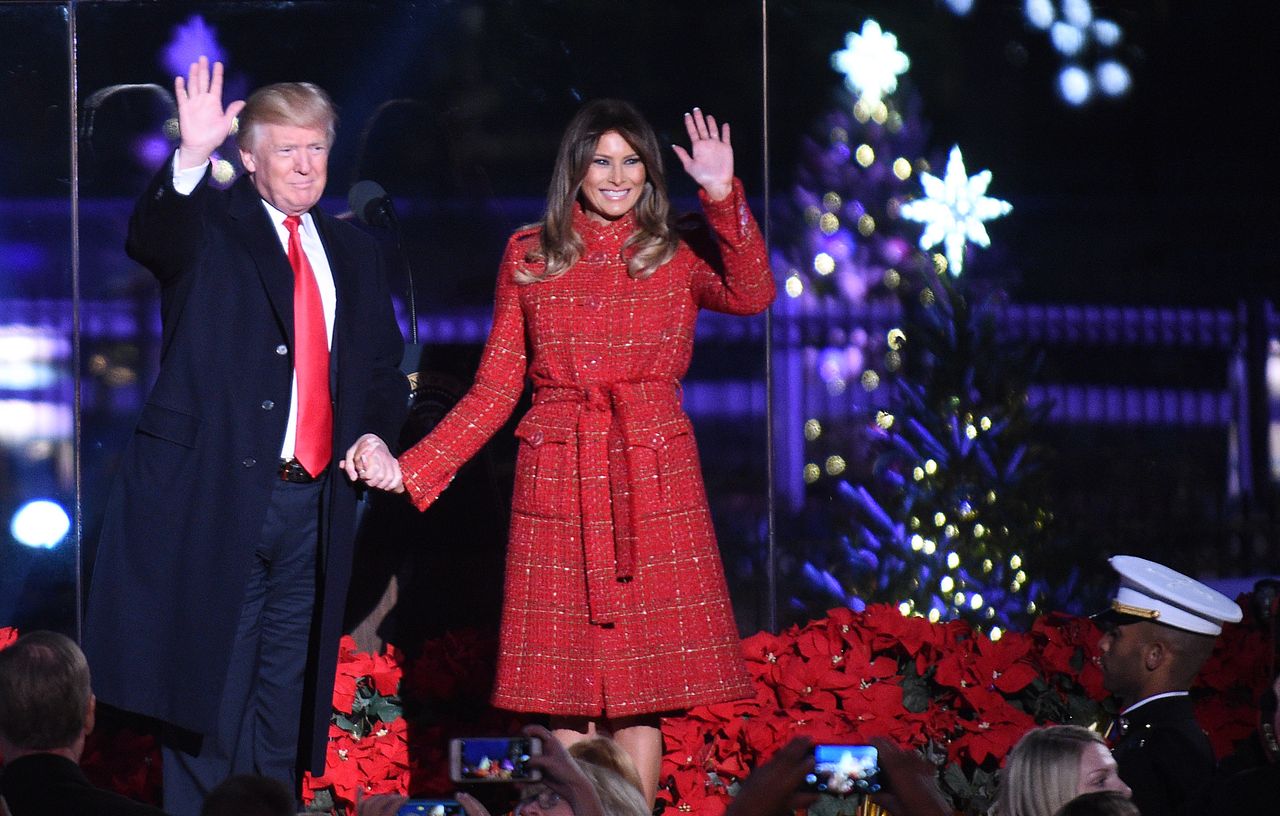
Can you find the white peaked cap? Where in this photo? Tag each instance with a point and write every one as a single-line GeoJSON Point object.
{"type": "Point", "coordinates": [1151, 591]}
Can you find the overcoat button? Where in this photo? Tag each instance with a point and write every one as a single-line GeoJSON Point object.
{"type": "Point", "coordinates": [267, 405]}
{"type": "Point", "coordinates": [249, 461]}
{"type": "Point", "coordinates": [593, 303]}
{"type": "Point", "coordinates": [535, 438]}
{"type": "Point", "coordinates": [282, 349]}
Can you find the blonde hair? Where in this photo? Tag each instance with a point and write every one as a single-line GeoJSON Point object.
{"type": "Point", "coordinates": [618, 797]}
{"type": "Point", "coordinates": [1042, 772]}
{"type": "Point", "coordinates": [606, 753]}
{"type": "Point", "coordinates": [652, 244]}
{"type": "Point", "coordinates": [299, 104]}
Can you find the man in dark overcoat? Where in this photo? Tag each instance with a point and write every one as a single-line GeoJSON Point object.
{"type": "Point", "coordinates": [222, 570]}
{"type": "Point", "coordinates": [1158, 632]}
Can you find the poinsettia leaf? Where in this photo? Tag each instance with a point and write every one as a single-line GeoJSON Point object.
{"type": "Point", "coordinates": [386, 709]}
{"type": "Point", "coordinates": [344, 722]}
{"type": "Point", "coordinates": [915, 694]}
{"type": "Point", "coordinates": [956, 782]}
{"type": "Point", "coordinates": [323, 801]}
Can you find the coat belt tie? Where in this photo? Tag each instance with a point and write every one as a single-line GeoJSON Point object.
{"type": "Point", "coordinates": [606, 508]}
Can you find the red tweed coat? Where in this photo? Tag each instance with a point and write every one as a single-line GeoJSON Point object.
{"type": "Point", "coordinates": [615, 598]}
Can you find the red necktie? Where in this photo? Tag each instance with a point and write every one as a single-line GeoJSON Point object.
{"type": "Point", "coordinates": [313, 446]}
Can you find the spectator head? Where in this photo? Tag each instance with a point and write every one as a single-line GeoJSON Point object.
{"type": "Point", "coordinates": [1146, 658]}
{"type": "Point", "coordinates": [618, 796]}
{"type": "Point", "coordinates": [537, 799]}
{"type": "Point", "coordinates": [606, 753]}
{"type": "Point", "coordinates": [1051, 766]}
{"type": "Point", "coordinates": [1160, 627]}
{"type": "Point", "coordinates": [249, 795]}
{"type": "Point", "coordinates": [45, 700]}
{"type": "Point", "coordinates": [1099, 803]}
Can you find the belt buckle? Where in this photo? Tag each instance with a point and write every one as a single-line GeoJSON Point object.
{"type": "Point", "coordinates": [291, 470]}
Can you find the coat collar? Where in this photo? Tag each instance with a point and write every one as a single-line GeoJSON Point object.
{"type": "Point", "coordinates": [263, 242]}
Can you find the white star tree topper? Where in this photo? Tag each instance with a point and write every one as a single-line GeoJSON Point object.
{"type": "Point", "coordinates": [954, 209]}
{"type": "Point", "coordinates": [871, 63]}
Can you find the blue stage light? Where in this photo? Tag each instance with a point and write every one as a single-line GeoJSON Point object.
{"type": "Point", "coordinates": [40, 523]}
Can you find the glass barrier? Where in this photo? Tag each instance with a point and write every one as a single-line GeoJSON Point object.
{"type": "Point", "coordinates": [39, 572]}
{"type": "Point", "coordinates": [455, 109]}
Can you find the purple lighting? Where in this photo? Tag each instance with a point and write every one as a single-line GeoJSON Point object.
{"type": "Point", "coordinates": [152, 150]}
{"type": "Point", "coordinates": [190, 40]}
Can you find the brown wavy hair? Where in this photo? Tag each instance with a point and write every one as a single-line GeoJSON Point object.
{"type": "Point", "coordinates": [653, 243]}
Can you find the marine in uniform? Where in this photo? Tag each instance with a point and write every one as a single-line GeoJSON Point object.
{"type": "Point", "coordinates": [1159, 630]}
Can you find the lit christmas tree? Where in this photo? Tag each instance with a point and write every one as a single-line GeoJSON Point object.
{"type": "Point", "coordinates": [931, 468]}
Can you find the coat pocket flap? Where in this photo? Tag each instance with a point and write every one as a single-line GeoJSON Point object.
{"type": "Point", "coordinates": [655, 431]}
{"type": "Point", "coordinates": [168, 424]}
{"type": "Point", "coordinates": [536, 433]}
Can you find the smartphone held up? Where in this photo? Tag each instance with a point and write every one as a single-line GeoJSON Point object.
{"type": "Point", "coordinates": [493, 759]}
{"type": "Point", "coordinates": [842, 770]}
{"type": "Point", "coordinates": [431, 807]}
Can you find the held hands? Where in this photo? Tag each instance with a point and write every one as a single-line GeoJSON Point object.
{"type": "Point", "coordinates": [710, 159]}
{"type": "Point", "coordinates": [201, 119]}
{"type": "Point", "coordinates": [370, 462]}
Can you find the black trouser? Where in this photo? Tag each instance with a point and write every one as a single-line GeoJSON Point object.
{"type": "Point", "coordinates": [260, 713]}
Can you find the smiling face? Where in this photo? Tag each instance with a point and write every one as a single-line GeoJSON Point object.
{"type": "Point", "coordinates": [289, 164]}
{"type": "Point", "coordinates": [615, 179]}
{"type": "Point", "coordinates": [1098, 771]}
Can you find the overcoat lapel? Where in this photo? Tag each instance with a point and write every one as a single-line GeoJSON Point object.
{"type": "Point", "coordinates": [345, 280]}
{"type": "Point", "coordinates": [250, 218]}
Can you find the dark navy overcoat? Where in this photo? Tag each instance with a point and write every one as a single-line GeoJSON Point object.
{"type": "Point", "coordinates": [191, 494]}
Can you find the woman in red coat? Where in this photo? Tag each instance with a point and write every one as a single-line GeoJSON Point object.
{"type": "Point", "coordinates": [616, 608]}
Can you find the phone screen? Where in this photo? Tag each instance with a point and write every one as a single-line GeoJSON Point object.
{"type": "Point", "coordinates": [844, 769]}
{"type": "Point", "coordinates": [431, 807]}
{"type": "Point", "coordinates": [494, 759]}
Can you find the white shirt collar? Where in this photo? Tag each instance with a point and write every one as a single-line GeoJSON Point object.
{"type": "Point", "coordinates": [1146, 700]}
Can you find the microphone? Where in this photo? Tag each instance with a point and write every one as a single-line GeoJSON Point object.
{"type": "Point", "coordinates": [372, 205]}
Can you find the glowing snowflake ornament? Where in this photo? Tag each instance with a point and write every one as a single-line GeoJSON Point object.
{"type": "Point", "coordinates": [954, 209]}
{"type": "Point", "coordinates": [871, 63]}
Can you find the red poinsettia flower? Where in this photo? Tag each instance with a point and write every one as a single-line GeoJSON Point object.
{"type": "Point", "coordinates": [1000, 665]}
{"type": "Point", "coordinates": [1240, 660]}
{"type": "Point", "coordinates": [817, 684]}
{"type": "Point", "coordinates": [698, 795]}
{"type": "Point", "coordinates": [937, 722]}
{"type": "Point", "coordinates": [1068, 648]}
{"type": "Point", "coordinates": [878, 710]}
{"type": "Point", "coordinates": [124, 761]}
{"type": "Point", "coordinates": [891, 628]}
{"type": "Point", "coordinates": [1227, 722]}
{"type": "Point", "coordinates": [341, 768]}
{"type": "Point", "coordinates": [767, 656]}
{"type": "Point", "coordinates": [859, 661]}
{"type": "Point", "coordinates": [823, 726]}
{"type": "Point", "coordinates": [991, 733]}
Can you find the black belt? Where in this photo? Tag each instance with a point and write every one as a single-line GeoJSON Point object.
{"type": "Point", "coordinates": [291, 470]}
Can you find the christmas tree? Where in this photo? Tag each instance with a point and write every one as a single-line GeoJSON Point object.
{"type": "Point", "coordinates": [930, 468]}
